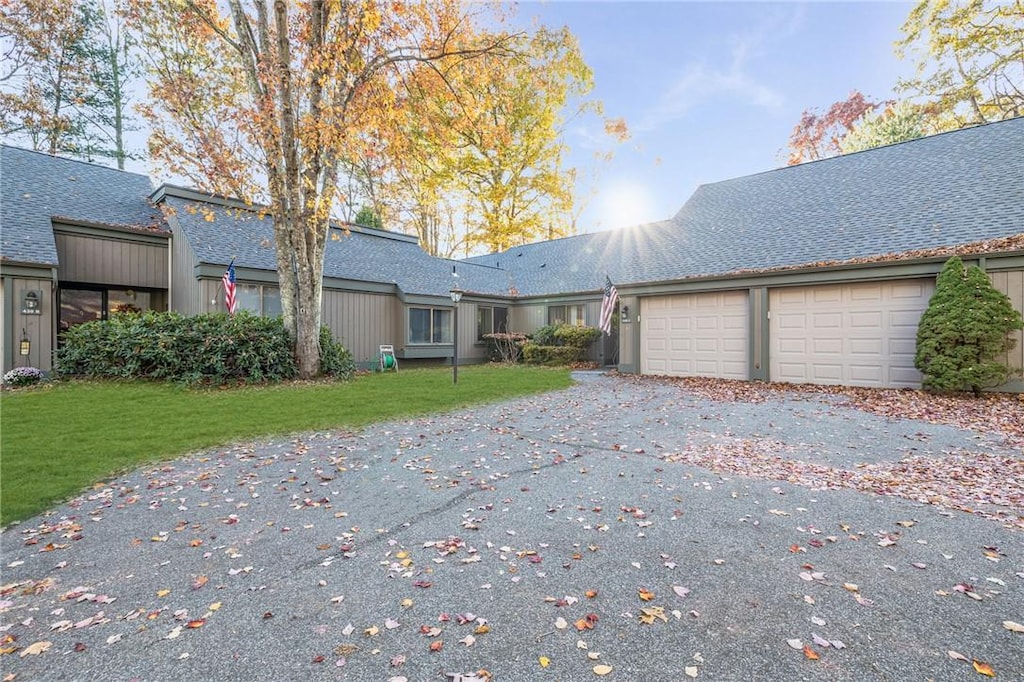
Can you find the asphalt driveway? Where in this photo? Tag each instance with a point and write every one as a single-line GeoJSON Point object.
{"type": "Point", "coordinates": [623, 529]}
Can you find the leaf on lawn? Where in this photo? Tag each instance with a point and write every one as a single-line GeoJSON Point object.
{"type": "Point", "coordinates": [544, 661]}
{"type": "Point", "coordinates": [602, 669]}
{"type": "Point", "coordinates": [680, 590]}
{"type": "Point", "coordinates": [957, 656]}
{"type": "Point", "coordinates": [810, 653]}
{"type": "Point", "coordinates": [1012, 626]}
{"type": "Point", "coordinates": [35, 649]}
{"type": "Point", "coordinates": [984, 668]}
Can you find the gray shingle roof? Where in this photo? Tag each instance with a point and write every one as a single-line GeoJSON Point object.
{"type": "Point", "coordinates": [36, 187]}
{"type": "Point", "coordinates": [363, 256]}
{"type": "Point", "coordinates": [954, 188]}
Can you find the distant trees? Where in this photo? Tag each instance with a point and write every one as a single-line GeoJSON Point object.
{"type": "Point", "coordinates": [969, 59]}
{"type": "Point", "coordinates": [964, 330]}
{"type": "Point", "coordinates": [63, 83]}
{"type": "Point", "coordinates": [969, 56]}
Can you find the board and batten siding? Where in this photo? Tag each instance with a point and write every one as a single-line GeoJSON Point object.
{"type": "Point", "coordinates": [186, 296]}
{"type": "Point", "coordinates": [114, 262]}
{"type": "Point", "coordinates": [362, 322]}
{"type": "Point", "coordinates": [38, 328]}
{"type": "Point", "coordinates": [1011, 283]}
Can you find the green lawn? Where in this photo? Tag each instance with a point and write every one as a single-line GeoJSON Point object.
{"type": "Point", "coordinates": [59, 439]}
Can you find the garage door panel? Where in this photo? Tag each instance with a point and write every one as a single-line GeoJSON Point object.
{"type": "Point", "coordinates": [861, 334]}
{"type": "Point", "coordinates": [695, 335]}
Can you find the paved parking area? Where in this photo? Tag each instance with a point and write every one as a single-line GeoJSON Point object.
{"type": "Point", "coordinates": [626, 523]}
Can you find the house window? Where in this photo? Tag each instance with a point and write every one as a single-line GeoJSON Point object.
{"type": "Point", "coordinates": [490, 320]}
{"type": "Point", "coordinates": [430, 325]}
{"type": "Point", "coordinates": [85, 303]}
{"type": "Point", "coordinates": [259, 299]}
{"type": "Point", "coordinates": [567, 314]}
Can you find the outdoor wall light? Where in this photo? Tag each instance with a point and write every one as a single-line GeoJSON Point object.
{"type": "Point", "coordinates": [625, 314]}
{"type": "Point", "coordinates": [30, 303]}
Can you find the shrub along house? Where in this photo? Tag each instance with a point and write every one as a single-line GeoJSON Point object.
{"type": "Point", "coordinates": [813, 273]}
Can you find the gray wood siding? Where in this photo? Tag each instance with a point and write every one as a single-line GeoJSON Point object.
{"type": "Point", "coordinates": [39, 328]}
{"type": "Point", "coordinates": [469, 349]}
{"type": "Point", "coordinates": [1011, 283]}
{"type": "Point", "coordinates": [112, 262]}
{"type": "Point", "coordinates": [528, 318]}
{"type": "Point", "coordinates": [362, 322]}
{"type": "Point", "coordinates": [186, 294]}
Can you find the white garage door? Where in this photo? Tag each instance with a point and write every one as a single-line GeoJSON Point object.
{"type": "Point", "coordinates": [850, 334]}
{"type": "Point", "coordinates": [695, 335]}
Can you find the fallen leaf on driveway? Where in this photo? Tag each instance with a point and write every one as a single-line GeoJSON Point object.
{"type": "Point", "coordinates": [35, 649]}
{"type": "Point", "coordinates": [810, 653]}
{"type": "Point", "coordinates": [680, 590]}
{"type": "Point", "coordinates": [957, 656]}
{"type": "Point", "coordinates": [984, 668]}
{"type": "Point", "coordinates": [690, 670]}
{"type": "Point", "coordinates": [1012, 626]}
{"type": "Point", "coordinates": [544, 661]}
{"type": "Point", "coordinates": [602, 669]}
{"type": "Point", "coordinates": [795, 644]}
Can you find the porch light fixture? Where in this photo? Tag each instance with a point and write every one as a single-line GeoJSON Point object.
{"type": "Point", "coordinates": [456, 294]}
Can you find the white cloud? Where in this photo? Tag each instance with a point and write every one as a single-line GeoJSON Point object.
{"type": "Point", "coordinates": [699, 82]}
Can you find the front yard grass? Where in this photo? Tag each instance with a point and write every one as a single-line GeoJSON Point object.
{"type": "Point", "coordinates": [59, 439]}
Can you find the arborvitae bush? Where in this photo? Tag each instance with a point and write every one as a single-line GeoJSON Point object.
{"type": "Point", "coordinates": [213, 348]}
{"type": "Point", "coordinates": [964, 331]}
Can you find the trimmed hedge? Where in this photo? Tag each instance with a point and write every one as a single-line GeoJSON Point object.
{"type": "Point", "coordinates": [213, 348]}
{"type": "Point", "coordinates": [535, 354]}
{"type": "Point", "coordinates": [560, 344]}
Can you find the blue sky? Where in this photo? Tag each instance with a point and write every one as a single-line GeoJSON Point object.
{"type": "Point", "coordinates": [712, 90]}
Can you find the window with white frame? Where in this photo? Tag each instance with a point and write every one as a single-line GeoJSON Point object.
{"type": "Point", "coordinates": [567, 314]}
{"type": "Point", "coordinates": [490, 320]}
{"type": "Point", "coordinates": [430, 325]}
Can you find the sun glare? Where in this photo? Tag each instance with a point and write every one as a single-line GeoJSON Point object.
{"type": "Point", "coordinates": [623, 204]}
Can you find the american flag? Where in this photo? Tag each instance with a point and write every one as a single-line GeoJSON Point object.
{"type": "Point", "coordinates": [229, 288]}
{"type": "Point", "coordinates": [611, 297]}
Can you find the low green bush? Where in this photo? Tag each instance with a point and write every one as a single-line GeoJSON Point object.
{"type": "Point", "coordinates": [213, 348]}
{"type": "Point", "coordinates": [577, 336]}
{"type": "Point", "coordinates": [536, 354]}
{"type": "Point", "coordinates": [335, 360]}
{"type": "Point", "coordinates": [545, 336]}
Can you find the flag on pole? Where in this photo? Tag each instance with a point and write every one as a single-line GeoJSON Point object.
{"type": "Point", "coordinates": [611, 297]}
{"type": "Point", "coordinates": [229, 288]}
